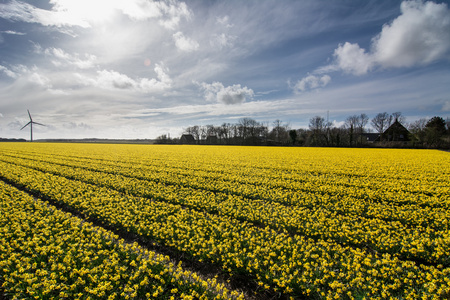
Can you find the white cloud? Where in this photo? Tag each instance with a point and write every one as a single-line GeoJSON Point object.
{"type": "Point", "coordinates": [419, 36]}
{"type": "Point", "coordinates": [234, 94]}
{"type": "Point", "coordinates": [8, 72]}
{"type": "Point", "coordinates": [12, 32]}
{"type": "Point", "coordinates": [183, 43]}
{"type": "Point", "coordinates": [173, 13]}
{"type": "Point", "coordinates": [84, 13]}
{"type": "Point", "coordinates": [113, 80]}
{"type": "Point", "coordinates": [71, 59]}
{"type": "Point", "coordinates": [350, 58]}
{"type": "Point", "coordinates": [222, 40]}
{"type": "Point", "coordinates": [141, 10]}
{"type": "Point", "coordinates": [32, 75]}
{"type": "Point", "coordinates": [40, 80]}
{"type": "Point", "coordinates": [20, 11]}
{"type": "Point", "coordinates": [163, 82]}
{"type": "Point", "coordinates": [311, 82]}
{"type": "Point", "coordinates": [224, 21]}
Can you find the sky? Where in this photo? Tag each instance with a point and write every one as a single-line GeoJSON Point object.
{"type": "Point", "coordinates": [137, 69]}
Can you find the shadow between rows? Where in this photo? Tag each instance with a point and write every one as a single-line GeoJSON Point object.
{"type": "Point", "coordinates": [245, 283]}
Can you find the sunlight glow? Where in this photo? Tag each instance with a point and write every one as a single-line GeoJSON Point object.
{"type": "Point", "coordinates": [87, 10]}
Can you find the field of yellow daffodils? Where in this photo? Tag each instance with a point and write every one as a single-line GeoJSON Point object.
{"type": "Point", "coordinates": [300, 223]}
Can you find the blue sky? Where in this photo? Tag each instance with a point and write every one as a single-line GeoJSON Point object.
{"type": "Point", "coordinates": [141, 68]}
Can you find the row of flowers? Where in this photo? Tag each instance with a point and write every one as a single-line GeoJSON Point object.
{"type": "Point", "coordinates": [427, 241]}
{"type": "Point", "coordinates": [279, 183]}
{"type": "Point", "coordinates": [49, 254]}
{"type": "Point", "coordinates": [280, 261]}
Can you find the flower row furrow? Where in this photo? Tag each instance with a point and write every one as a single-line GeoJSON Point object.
{"type": "Point", "coordinates": [424, 244]}
{"type": "Point", "coordinates": [341, 203]}
{"type": "Point", "coordinates": [283, 188]}
{"type": "Point", "coordinates": [48, 254]}
{"type": "Point", "coordinates": [291, 264]}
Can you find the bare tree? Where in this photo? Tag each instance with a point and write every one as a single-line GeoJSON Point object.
{"type": "Point", "coordinates": [225, 132]}
{"type": "Point", "coordinates": [203, 132]}
{"type": "Point", "coordinates": [418, 130]}
{"type": "Point", "coordinates": [279, 132]}
{"type": "Point", "coordinates": [265, 131]}
{"type": "Point", "coordinates": [211, 130]}
{"type": "Point", "coordinates": [363, 119]}
{"type": "Point", "coordinates": [254, 128]}
{"type": "Point", "coordinates": [397, 116]}
{"type": "Point", "coordinates": [249, 131]}
{"type": "Point", "coordinates": [381, 122]}
{"type": "Point", "coordinates": [194, 131]}
{"type": "Point", "coordinates": [351, 123]}
{"type": "Point", "coordinates": [317, 125]}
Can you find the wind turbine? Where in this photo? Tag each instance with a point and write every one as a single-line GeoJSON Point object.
{"type": "Point", "coordinates": [31, 124]}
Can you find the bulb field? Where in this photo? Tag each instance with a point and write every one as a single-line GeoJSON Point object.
{"type": "Point", "coordinates": [299, 223]}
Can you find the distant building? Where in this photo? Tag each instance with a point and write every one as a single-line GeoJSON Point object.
{"type": "Point", "coordinates": [371, 137]}
{"type": "Point", "coordinates": [395, 133]}
{"type": "Point", "coordinates": [187, 139]}
{"type": "Point", "coordinates": [211, 140]}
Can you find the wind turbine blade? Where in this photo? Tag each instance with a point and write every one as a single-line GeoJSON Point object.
{"type": "Point", "coordinates": [29, 115]}
{"type": "Point", "coordinates": [39, 123]}
{"type": "Point", "coordinates": [25, 125]}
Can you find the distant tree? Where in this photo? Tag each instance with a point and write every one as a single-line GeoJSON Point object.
{"type": "Point", "coordinates": [437, 123]}
{"type": "Point", "coordinates": [250, 131]}
{"type": "Point", "coordinates": [317, 126]}
{"type": "Point", "coordinates": [211, 130]}
{"type": "Point", "coordinates": [328, 132]}
{"type": "Point", "coordinates": [255, 129]}
{"type": "Point", "coordinates": [279, 132]}
{"type": "Point", "coordinates": [163, 139]}
{"type": "Point", "coordinates": [225, 133]}
{"type": "Point", "coordinates": [265, 131]}
{"type": "Point", "coordinates": [351, 123]}
{"type": "Point", "coordinates": [302, 136]}
{"type": "Point", "coordinates": [293, 136]}
{"type": "Point", "coordinates": [234, 129]}
{"type": "Point", "coordinates": [355, 127]}
{"type": "Point", "coordinates": [338, 136]}
{"type": "Point", "coordinates": [418, 131]}
{"type": "Point", "coordinates": [397, 116]}
{"type": "Point", "coordinates": [362, 121]}
{"type": "Point", "coordinates": [381, 122]}
{"type": "Point", "coordinates": [435, 130]}
{"type": "Point", "coordinates": [195, 131]}
{"type": "Point", "coordinates": [203, 132]}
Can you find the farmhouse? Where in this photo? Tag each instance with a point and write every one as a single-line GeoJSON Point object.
{"type": "Point", "coordinates": [211, 140]}
{"type": "Point", "coordinates": [395, 133]}
{"type": "Point", "coordinates": [187, 139]}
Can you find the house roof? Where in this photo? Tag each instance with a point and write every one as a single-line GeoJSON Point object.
{"type": "Point", "coordinates": [371, 137]}
{"type": "Point", "coordinates": [395, 132]}
{"type": "Point", "coordinates": [187, 138]}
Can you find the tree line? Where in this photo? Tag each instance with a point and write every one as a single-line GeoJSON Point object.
{"type": "Point", "coordinates": [422, 133]}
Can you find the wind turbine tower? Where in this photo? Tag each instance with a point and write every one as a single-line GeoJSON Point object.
{"type": "Point", "coordinates": [31, 124]}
